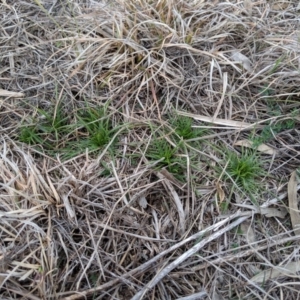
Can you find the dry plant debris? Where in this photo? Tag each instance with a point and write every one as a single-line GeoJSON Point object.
{"type": "Point", "coordinates": [149, 149]}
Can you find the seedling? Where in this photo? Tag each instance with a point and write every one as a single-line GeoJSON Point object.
{"type": "Point", "coordinates": [90, 118]}
{"type": "Point", "coordinates": [100, 138]}
{"type": "Point", "coordinates": [160, 150]}
{"type": "Point", "coordinates": [46, 130]}
{"type": "Point", "coordinates": [53, 132]}
{"type": "Point", "coordinates": [183, 128]}
{"type": "Point", "coordinates": [98, 127]}
{"type": "Point", "coordinates": [270, 130]}
{"type": "Point", "coordinates": [54, 123]}
{"type": "Point", "coordinates": [30, 135]}
{"type": "Point", "coordinates": [244, 169]}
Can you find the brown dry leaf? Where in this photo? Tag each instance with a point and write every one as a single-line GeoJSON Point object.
{"type": "Point", "coordinates": [143, 202]}
{"type": "Point", "coordinates": [248, 232]}
{"type": "Point", "coordinates": [270, 212]}
{"type": "Point", "coordinates": [289, 269]}
{"type": "Point", "coordinates": [280, 5]}
{"type": "Point", "coordinates": [220, 192]}
{"type": "Point", "coordinates": [293, 203]}
{"type": "Point", "coordinates": [242, 59]}
{"type": "Point", "coordinates": [248, 6]}
{"type": "Point", "coordinates": [262, 147]}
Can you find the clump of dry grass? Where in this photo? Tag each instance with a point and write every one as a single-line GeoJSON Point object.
{"type": "Point", "coordinates": [154, 210]}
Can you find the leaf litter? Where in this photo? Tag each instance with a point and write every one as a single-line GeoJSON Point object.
{"type": "Point", "coordinates": [107, 223]}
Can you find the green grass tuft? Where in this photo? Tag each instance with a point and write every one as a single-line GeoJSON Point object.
{"type": "Point", "coordinates": [183, 128]}
{"type": "Point", "coordinates": [55, 135]}
{"type": "Point", "coordinates": [245, 169]}
{"type": "Point", "coordinates": [160, 150]}
{"type": "Point", "coordinates": [30, 135]}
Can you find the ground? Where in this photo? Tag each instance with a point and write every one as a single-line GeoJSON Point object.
{"type": "Point", "coordinates": [149, 149]}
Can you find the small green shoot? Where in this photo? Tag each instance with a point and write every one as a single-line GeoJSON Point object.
{"type": "Point", "coordinates": [270, 130]}
{"type": "Point", "coordinates": [163, 151]}
{"type": "Point", "coordinates": [53, 131]}
{"type": "Point", "coordinates": [54, 123]}
{"type": "Point", "coordinates": [244, 169]}
{"type": "Point", "coordinates": [90, 118]}
{"type": "Point", "coordinates": [160, 150]}
{"type": "Point", "coordinates": [30, 135]}
{"type": "Point", "coordinates": [224, 206]}
{"type": "Point", "coordinates": [98, 126]}
{"type": "Point", "coordinates": [183, 128]}
{"type": "Point", "coordinates": [100, 138]}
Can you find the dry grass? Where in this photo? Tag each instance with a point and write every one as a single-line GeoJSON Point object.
{"type": "Point", "coordinates": [146, 212]}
